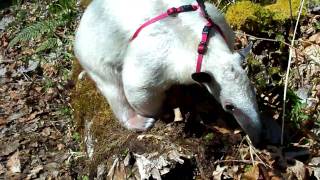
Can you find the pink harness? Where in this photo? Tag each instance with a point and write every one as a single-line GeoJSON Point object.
{"type": "Point", "coordinates": [202, 48]}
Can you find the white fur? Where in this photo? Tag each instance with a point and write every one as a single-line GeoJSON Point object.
{"type": "Point", "coordinates": [134, 75]}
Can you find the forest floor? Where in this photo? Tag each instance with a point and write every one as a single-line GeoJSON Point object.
{"type": "Point", "coordinates": [38, 137]}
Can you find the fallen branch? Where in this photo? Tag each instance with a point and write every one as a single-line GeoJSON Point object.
{"type": "Point", "coordinates": [266, 39]}
{"type": "Point", "coordinates": [288, 71]}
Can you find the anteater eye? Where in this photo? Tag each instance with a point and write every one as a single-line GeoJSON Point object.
{"type": "Point", "coordinates": [229, 107]}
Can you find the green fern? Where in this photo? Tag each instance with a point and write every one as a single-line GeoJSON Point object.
{"type": "Point", "coordinates": [36, 30]}
{"type": "Point", "coordinates": [48, 44]}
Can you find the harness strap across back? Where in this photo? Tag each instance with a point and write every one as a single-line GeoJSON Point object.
{"type": "Point", "coordinates": [203, 45]}
{"type": "Point", "coordinates": [170, 12]}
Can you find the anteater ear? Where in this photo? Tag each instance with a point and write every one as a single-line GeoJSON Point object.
{"type": "Point", "coordinates": [201, 77]}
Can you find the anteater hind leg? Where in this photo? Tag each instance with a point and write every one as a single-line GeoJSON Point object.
{"type": "Point", "coordinates": [121, 108]}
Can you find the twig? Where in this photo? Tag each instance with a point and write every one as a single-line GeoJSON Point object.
{"type": "Point", "coordinates": [7, 61]}
{"type": "Point", "coordinates": [288, 70]}
{"type": "Point", "coordinates": [234, 160]}
{"type": "Point", "coordinates": [251, 153]}
{"type": "Point", "coordinates": [300, 76]}
{"type": "Point", "coordinates": [253, 149]}
{"type": "Point", "coordinates": [276, 40]}
{"type": "Point", "coordinates": [291, 16]}
{"type": "Point", "coordinates": [266, 39]}
{"type": "Point", "coordinates": [306, 41]}
{"type": "Point", "coordinates": [224, 7]}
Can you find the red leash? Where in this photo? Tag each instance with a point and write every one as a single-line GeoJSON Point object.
{"type": "Point", "coordinates": [203, 45]}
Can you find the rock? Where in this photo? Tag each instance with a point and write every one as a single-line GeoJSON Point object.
{"type": "Point", "coordinates": [315, 167]}
{"type": "Point", "coordinates": [297, 171]}
{"type": "Point", "coordinates": [316, 173]}
{"type": "Point", "coordinates": [303, 93]}
{"type": "Point", "coordinates": [2, 169]}
{"type": "Point", "coordinates": [315, 161]}
{"type": "Point", "coordinates": [5, 21]}
{"type": "Point", "coordinates": [31, 67]}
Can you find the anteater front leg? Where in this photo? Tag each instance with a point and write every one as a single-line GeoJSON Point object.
{"type": "Point", "coordinates": [117, 100]}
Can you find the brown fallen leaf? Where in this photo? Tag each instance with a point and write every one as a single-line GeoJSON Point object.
{"type": "Point", "coordinates": [7, 148]}
{"type": "Point", "coordinates": [31, 116]}
{"type": "Point", "coordinates": [217, 173]}
{"type": "Point", "coordinates": [3, 121]}
{"type": "Point", "coordinates": [315, 38]}
{"type": "Point", "coordinates": [34, 172]}
{"type": "Point", "coordinates": [269, 173]}
{"type": "Point", "coordinates": [252, 174]}
{"type": "Point", "coordinates": [15, 116]}
{"type": "Point", "coordinates": [46, 131]}
{"type": "Point", "coordinates": [60, 146]}
{"type": "Point", "coordinates": [222, 130]}
{"type": "Point", "coordinates": [49, 69]}
{"type": "Point", "coordinates": [14, 164]}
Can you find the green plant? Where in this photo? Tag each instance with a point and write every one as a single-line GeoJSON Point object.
{"type": "Point", "coordinates": [76, 137]}
{"type": "Point", "coordinates": [208, 137]}
{"type": "Point", "coordinates": [36, 30]}
{"type": "Point", "coordinates": [297, 112]}
{"type": "Point", "coordinates": [83, 177]}
{"type": "Point", "coordinates": [48, 84]}
{"type": "Point", "coordinates": [65, 111]}
{"type": "Point", "coordinates": [317, 25]}
{"type": "Point", "coordinates": [16, 2]}
{"type": "Point", "coordinates": [61, 13]}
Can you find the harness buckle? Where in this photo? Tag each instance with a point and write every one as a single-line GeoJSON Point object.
{"type": "Point", "coordinates": [172, 11]}
{"type": "Point", "coordinates": [202, 48]}
{"type": "Point", "coordinates": [206, 29]}
{"type": "Point", "coordinates": [186, 8]}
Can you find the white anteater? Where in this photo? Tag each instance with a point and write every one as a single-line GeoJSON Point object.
{"type": "Point", "coordinates": [134, 75]}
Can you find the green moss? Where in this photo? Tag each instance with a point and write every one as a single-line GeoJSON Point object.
{"type": "Point", "coordinates": [274, 70]}
{"type": "Point", "coordinates": [247, 13]}
{"type": "Point", "coordinates": [253, 62]}
{"type": "Point", "coordinates": [260, 79]}
{"type": "Point", "coordinates": [239, 12]}
{"type": "Point", "coordinates": [208, 137]}
{"type": "Point", "coordinates": [110, 137]}
{"type": "Point", "coordinates": [281, 9]}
